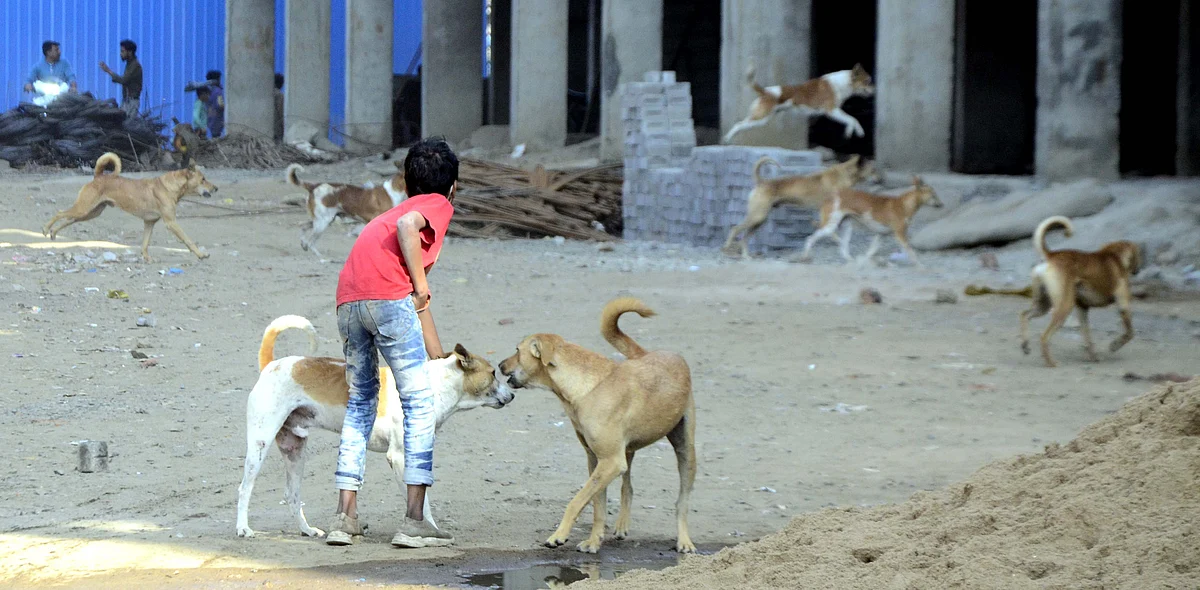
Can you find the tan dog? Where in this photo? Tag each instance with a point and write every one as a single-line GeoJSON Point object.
{"type": "Point", "coordinates": [328, 200]}
{"type": "Point", "coordinates": [1072, 279]}
{"type": "Point", "coordinates": [150, 199]}
{"type": "Point", "coordinates": [616, 409]}
{"type": "Point", "coordinates": [823, 95]}
{"type": "Point", "coordinates": [879, 214]}
{"type": "Point", "coordinates": [808, 190]}
{"type": "Point", "coordinates": [296, 394]}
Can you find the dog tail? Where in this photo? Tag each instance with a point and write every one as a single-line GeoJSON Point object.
{"type": "Point", "coordinates": [106, 160]}
{"type": "Point", "coordinates": [754, 84]}
{"type": "Point", "coordinates": [266, 352]}
{"type": "Point", "coordinates": [292, 179]}
{"type": "Point", "coordinates": [612, 332]}
{"type": "Point", "coordinates": [758, 167]}
{"type": "Point", "coordinates": [1039, 235]}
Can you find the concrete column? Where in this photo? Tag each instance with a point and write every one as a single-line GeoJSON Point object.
{"type": "Point", "coordinates": [1078, 89]}
{"type": "Point", "coordinates": [307, 63]}
{"type": "Point", "coordinates": [369, 72]}
{"type": "Point", "coordinates": [452, 68]}
{"type": "Point", "coordinates": [630, 46]}
{"type": "Point", "coordinates": [914, 77]}
{"type": "Point", "coordinates": [498, 84]}
{"type": "Point", "coordinates": [538, 103]}
{"type": "Point", "coordinates": [773, 36]}
{"type": "Point", "coordinates": [249, 78]}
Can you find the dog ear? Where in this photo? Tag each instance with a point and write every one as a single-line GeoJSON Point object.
{"type": "Point", "coordinates": [399, 164]}
{"type": "Point", "coordinates": [464, 358]}
{"type": "Point", "coordinates": [917, 182]}
{"type": "Point", "coordinates": [543, 350]}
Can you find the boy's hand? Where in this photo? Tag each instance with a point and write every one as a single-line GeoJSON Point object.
{"type": "Point", "coordinates": [421, 297]}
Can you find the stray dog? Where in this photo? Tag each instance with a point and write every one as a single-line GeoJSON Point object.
{"type": "Point", "coordinates": [809, 190]}
{"type": "Point", "coordinates": [616, 409]}
{"type": "Point", "coordinates": [823, 95]}
{"type": "Point", "coordinates": [1072, 279]}
{"type": "Point", "coordinates": [328, 200]}
{"type": "Point", "coordinates": [150, 199]}
{"type": "Point", "coordinates": [298, 393]}
{"type": "Point", "coordinates": [879, 214]}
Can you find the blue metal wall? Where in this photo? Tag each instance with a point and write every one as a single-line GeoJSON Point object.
{"type": "Point", "coordinates": [178, 41]}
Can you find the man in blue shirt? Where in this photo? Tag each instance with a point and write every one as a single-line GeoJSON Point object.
{"type": "Point", "coordinates": [52, 69]}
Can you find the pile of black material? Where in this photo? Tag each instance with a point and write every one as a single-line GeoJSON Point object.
{"type": "Point", "coordinates": [75, 130]}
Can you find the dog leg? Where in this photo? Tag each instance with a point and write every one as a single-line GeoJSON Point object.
{"type": "Point", "coordinates": [599, 509]}
{"type": "Point", "coordinates": [146, 231]}
{"type": "Point", "coordinates": [683, 438]}
{"type": "Point", "coordinates": [256, 453]}
{"type": "Point", "coordinates": [742, 126]}
{"type": "Point", "coordinates": [870, 253]}
{"type": "Point", "coordinates": [72, 217]}
{"type": "Point", "coordinates": [908, 249]}
{"type": "Point", "coordinates": [826, 230]}
{"type": "Point", "coordinates": [853, 127]}
{"type": "Point", "coordinates": [1039, 305]}
{"type": "Point", "coordinates": [291, 447]}
{"type": "Point", "coordinates": [621, 529]}
{"type": "Point", "coordinates": [1123, 299]}
{"type": "Point", "coordinates": [607, 469]}
{"type": "Point", "coordinates": [1082, 314]}
{"type": "Point", "coordinates": [757, 211]}
{"type": "Point", "coordinates": [322, 217]}
{"type": "Point", "coordinates": [1063, 304]}
{"type": "Point", "coordinates": [178, 231]}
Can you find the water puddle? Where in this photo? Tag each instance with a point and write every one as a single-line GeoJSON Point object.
{"type": "Point", "coordinates": [554, 575]}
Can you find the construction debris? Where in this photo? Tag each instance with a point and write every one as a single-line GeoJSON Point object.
{"type": "Point", "coordinates": [502, 201]}
{"type": "Point", "coordinates": [241, 150]}
{"type": "Point", "coordinates": [75, 130]}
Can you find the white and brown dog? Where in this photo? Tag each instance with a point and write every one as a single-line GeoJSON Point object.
{"type": "Point", "coordinates": [616, 409]}
{"type": "Point", "coordinates": [1076, 280]}
{"type": "Point", "coordinates": [328, 200]}
{"type": "Point", "coordinates": [823, 95]}
{"type": "Point", "coordinates": [295, 394]}
{"type": "Point", "coordinates": [877, 213]}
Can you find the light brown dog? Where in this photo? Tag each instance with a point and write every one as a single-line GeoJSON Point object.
{"type": "Point", "coordinates": [1072, 279]}
{"type": "Point", "coordinates": [823, 95]}
{"type": "Point", "coordinates": [879, 214]}
{"type": "Point", "coordinates": [150, 199]}
{"type": "Point", "coordinates": [328, 200]}
{"type": "Point", "coordinates": [807, 190]}
{"type": "Point", "coordinates": [616, 409]}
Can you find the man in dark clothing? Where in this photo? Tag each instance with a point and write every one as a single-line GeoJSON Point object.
{"type": "Point", "coordinates": [216, 104]}
{"type": "Point", "coordinates": [131, 80]}
{"type": "Point", "coordinates": [278, 107]}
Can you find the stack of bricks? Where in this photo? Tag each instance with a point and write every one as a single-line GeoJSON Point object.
{"type": "Point", "coordinates": [677, 193]}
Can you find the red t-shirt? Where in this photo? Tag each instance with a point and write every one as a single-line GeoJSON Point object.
{"type": "Point", "coordinates": [375, 268]}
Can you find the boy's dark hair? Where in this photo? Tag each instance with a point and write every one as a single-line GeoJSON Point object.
{"type": "Point", "coordinates": [430, 167]}
{"type": "Point", "coordinates": [48, 45]}
{"type": "Point", "coordinates": [213, 75]}
{"type": "Point", "coordinates": [203, 91]}
{"type": "Point", "coordinates": [278, 80]}
{"type": "Point", "coordinates": [129, 46]}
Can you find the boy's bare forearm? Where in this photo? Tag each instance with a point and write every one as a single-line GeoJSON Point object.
{"type": "Point", "coordinates": [433, 343]}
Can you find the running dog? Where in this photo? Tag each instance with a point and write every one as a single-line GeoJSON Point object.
{"type": "Point", "coordinates": [616, 409]}
{"type": "Point", "coordinates": [879, 214]}
{"type": "Point", "coordinates": [295, 394]}
{"type": "Point", "coordinates": [823, 95]}
{"type": "Point", "coordinates": [1076, 280]}
{"type": "Point", "coordinates": [149, 199]}
{"type": "Point", "coordinates": [328, 200]}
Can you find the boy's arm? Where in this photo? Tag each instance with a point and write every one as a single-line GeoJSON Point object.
{"type": "Point", "coordinates": [409, 228]}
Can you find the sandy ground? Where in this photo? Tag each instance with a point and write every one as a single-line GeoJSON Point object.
{"type": "Point", "coordinates": [806, 398]}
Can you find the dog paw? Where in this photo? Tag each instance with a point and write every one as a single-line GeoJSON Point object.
{"type": "Point", "coordinates": [589, 545]}
{"type": "Point", "coordinates": [245, 531]}
{"type": "Point", "coordinates": [685, 546]}
{"type": "Point", "coordinates": [620, 532]}
{"type": "Point", "coordinates": [202, 255]}
{"type": "Point", "coordinates": [1025, 347]}
{"type": "Point", "coordinates": [312, 532]}
{"type": "Point", "coordinates": [1115, 345]}
{"type": "Point", "coordinates": [555, 541]}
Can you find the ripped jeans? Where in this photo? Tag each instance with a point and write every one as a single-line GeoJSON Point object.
{"type": "Point", "coordinates": [390, 327]}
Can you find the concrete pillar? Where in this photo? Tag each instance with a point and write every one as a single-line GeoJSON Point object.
{"type": "Point", "coordinates": [775, 37]}
{"type": "Point", "coordinates": [452, 68]}
{"type": "Point", "coordinates": [369, 72]}
{"type": "Point", "coordinates": [307, 63]}
{"type": "Point", "coordinates": [1078, 89]}
{"type": "Point", "coordinates": [630, 46]}
{"type": "Point", "coordinates": [498, 84]}
{"type": "Point", "coordinates": [249, 78]}
{"type": "Point", "coordinates": [914, 77]}
{"type": "Point", "coordinates": [538, 96]}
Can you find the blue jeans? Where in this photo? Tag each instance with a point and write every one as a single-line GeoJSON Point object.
{"type": "Point", "coordinates": [390, 327]}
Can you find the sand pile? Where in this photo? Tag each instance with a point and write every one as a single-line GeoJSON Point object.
{"type": "Point", "coordinates": [1118, 507]}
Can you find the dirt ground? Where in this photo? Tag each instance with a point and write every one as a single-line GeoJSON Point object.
{"type": "Point", "coordinates": [806, 398]}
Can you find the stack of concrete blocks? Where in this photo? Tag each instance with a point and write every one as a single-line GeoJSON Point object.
{"type": "Point", "coordinates": [678, 193]}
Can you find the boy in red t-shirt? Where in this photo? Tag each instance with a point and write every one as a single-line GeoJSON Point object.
{"type": "Point", "coordinates": [383, 305]}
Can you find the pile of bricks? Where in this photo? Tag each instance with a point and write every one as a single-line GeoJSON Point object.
{"type": "Point", "coordinates": [677, 193]}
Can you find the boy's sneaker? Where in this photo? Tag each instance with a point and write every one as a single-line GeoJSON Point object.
{"type": "Point", "coordinates": [343, 530]}
{"type": "Point", "coordinates": [420, 533]}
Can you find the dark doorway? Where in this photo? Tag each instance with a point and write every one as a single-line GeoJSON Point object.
{"type": "Point", "coordinates": [1149, 77]}
{"type": "Point", "coordinates": [995, 87]}
{"type": "Point", "coordinates": [692, 49]}
{"type": "Point", "coordinates": [843, 34]}
{"type": "Point", "coordinates": [583, 69]}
